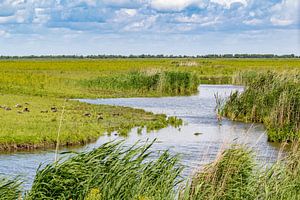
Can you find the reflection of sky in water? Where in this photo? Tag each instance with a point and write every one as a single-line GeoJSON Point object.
{"type": "Point", "coordinates": [199, 117]}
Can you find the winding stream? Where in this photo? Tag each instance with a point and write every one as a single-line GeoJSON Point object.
{"type": "Point", "coordinates": [198, 115]}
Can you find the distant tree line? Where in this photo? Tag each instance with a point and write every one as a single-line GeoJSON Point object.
{"type": "Point", "coordinates": [149, 56]}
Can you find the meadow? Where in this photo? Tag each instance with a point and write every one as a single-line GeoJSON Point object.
{"type": "Point", "coordinates": [33, 93]}
{"type": "Point", "coordinates": [75, 78]}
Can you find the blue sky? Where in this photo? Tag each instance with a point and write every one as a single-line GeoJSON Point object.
{"type": "Point", "coordinates": [126, 27]}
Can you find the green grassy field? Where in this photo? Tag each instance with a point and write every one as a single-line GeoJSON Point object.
{"type": "Point", "coordinates": [68, 78]}
{"type": "Point", "coordinates": [47, 83]}
{"type": "Point", "coordinates": [81, 123]}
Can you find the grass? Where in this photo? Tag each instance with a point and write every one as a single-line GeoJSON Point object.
{"type": "Point", "coordinates": [114, 171]}
{"type": "Point", "coordinates": [109, 172]}
{"type": "Point", "coordinates": [82, 123]}
{"type": "Point", "coordinates": [47, 83]}
{"type": "Point", "coordinates": [235, 175]}
{"type": "Point", "coordinates": [9, 189]}
{"type": "Point", "coordinates": [65, 78]}
{"type": "Point", "coordinates": [147, 83]}
{"type": "Point", "coordinates": [229, 177]}
{"type": "Point", "coordinates": [270, 98]}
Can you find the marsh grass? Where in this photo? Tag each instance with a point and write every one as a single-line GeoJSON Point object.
{"type": "Point", "coordinates": [235, 175]}
{"type": "Point", "coordinates": [270, 98]}
{"type": "Point", "coordinates": [9, 189]}
{"type": "Point", "coordinates": [109, 172]}
{"type": "Point", "coordinates": [228, 177]}
{"type": "Point", "coordinates": [64, 78]}
{"type": "Point", "coordinates": [163, 83]}
{"type": "Point", "coordinates": [81, 123]}
{"type": "Point", "coordinates": [115, 171]}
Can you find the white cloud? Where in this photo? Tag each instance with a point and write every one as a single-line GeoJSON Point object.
{"type": "Point", "coordinates": [281, 22]}
{"type": "Point", "coordinates": [141, 25]}
{"type": "Point", "coordinates": [18, 17]}
{"type": "Point", "coordinates": [253, 22]}
{"type": "Point", "coordinates": [198, 19]}
{"type": "Point", "coordinates": [227, 3]}
{"type": "Point", "coordinates": [179, 5]}
{"type": "Point", "coordinates": [129, 12]}
{"type": "Point", "coordinates": [285, 13]}
{"type": "Point", "coordinates": [176, 5]}
{"type": "Point", "coordinates": [194, 18]}
{"type": "Point", "coordinates": [2, 32]}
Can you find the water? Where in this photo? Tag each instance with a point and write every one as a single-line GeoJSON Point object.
{"type": "Point", "coordinates": [198, 115]}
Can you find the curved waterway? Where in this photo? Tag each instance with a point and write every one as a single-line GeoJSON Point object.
{"type": "Point", "coordinates": [195, 150]}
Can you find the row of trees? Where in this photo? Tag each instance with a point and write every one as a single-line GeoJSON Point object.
{"type": "Point", "coordinates": [150, 56]}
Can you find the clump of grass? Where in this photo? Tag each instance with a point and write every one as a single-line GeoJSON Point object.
{"type": "Point", "coordinates": [269, 98]}
{"type": "Point", "coordinates": [162, 83]}
{"type": "Point", "coordinates": [282, 180]}
{"type": "Point", "coordinates": [229, 177]}
{"type": "Point", "coordinates": [109, 172]}
{"type": "Point", "coordinates": [9, 189]}
{"type": "Point", "coordinates": [235, 175]}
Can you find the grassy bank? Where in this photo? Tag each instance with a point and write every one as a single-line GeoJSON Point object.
{"type": "Point", "coordinates": [29, 122]}
{"type": "Point", "coordinates": [115, 172]}
{"type": "Point", "coordinates": [270, 98]}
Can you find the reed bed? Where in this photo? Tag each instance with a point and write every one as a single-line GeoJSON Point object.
{"type": "Point", "coordinates": [109, 172]}
{"type": "Point", "coordinates": [115, 171]}
{"type": "Point", "coordinates": [229, 177]}
{"type": "Point", "coordinates": [163, 83]}
{"type": "Point", "coordinates": [235, 175]}
{"type": "Point", "coordinates": [270, 98]}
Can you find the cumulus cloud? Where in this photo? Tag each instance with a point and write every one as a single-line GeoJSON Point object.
{"type": "Point", "coordinates": [228, 3]}
{"type": "Point", "coordinates": [285, 13]}
{"type": "Point", "coordinates": [176, 5]}
{"type": "Point", "coordinates": [102, 16]}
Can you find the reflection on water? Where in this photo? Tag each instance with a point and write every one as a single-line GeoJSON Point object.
{"type": "Point", "coordinates": [194, 149]}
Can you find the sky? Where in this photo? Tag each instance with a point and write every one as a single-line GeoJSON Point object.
{"type": "Point", "coordinates": [170, 27]}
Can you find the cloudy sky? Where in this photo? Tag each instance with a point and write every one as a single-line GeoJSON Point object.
{"type": "Point", "coordinates": [125, 27]}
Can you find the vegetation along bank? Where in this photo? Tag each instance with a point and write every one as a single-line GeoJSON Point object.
{"type": "Point", "coordinates": [34, 94]}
